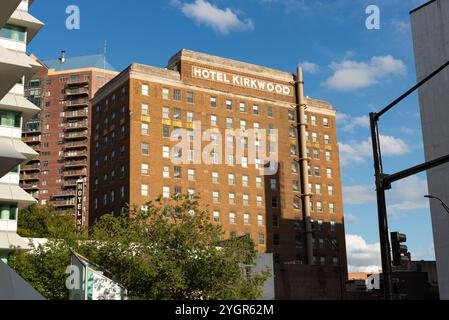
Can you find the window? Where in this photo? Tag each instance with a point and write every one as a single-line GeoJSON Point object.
{"type": "Point", "coordinates": [273, 184]}
{"type": "Point", "coordinates": [166, 172]}
{"type": "Point", "coordinates": [291, 115]}
{"type": "Point", "coordinates": [165, 93]}
{"type": "Point", "coordinates": [232, 218]}
{"type": "Point", "coordinates": [259, 201]}
{"type": "Point", "coordinates": [296, 203]}
{"type": "Point", "coordinates": [259, 182]}
{"type": "Point", "coordinates": [215, 177]}
{"type": "Point", "coordinates": [242, 107]}
{"type": "Point", "coordinates": [329, 173]}
{"type": "Point", "coordinates": [190, 97]}
{"type": "Point", "coordinates": [335, 261]}
{"type": "Point", "coordinates": [145, 169]}
{"type": "Point", "coordinates": [314, 137]}
{"type": "Point", "coordinates": [165, 131]}
{"type": "Point", "coordinates": [318, 189]}
{"type": "Point", "coordinates": [276, 239]}
{"type": "Point", "coordinates": [274, 202]}
{"type": "Point", "coordinates": [10, 119]}
{"type": "Point", "coordinates": [177, 172]}
{"type": "Point", "coordinates": [295, 185]}
{"type": "Point", "coordinates": [229, 104]}
{"type": "Point", "coordinates": [243, 124]}
{"type": "Point", "coordinates": [144, 190]}
{"type": "Point", "coordinates": [177, 94]}
{"type": "Point", "coordinates": [261, 239]}
{"type": "Point", "coordinates": [260, 220]}
{"type": "Point", "coordinates": [166, 192]}
{"type": "Point", "coordinates": [307, 136]}
{"type": "Point", "coordinates": [213, 102]}
{"type": "Point", "coordinates": [230, 141]}
{"type": "Point", "coordinates": [293, 150]}
{"type": "Point", "coordinates": [216, 197]}
{"type": "Point", "coordinates": [270, 112]}
{"type": "Point", "coordinates": [328, 156]}
{"type": "Point", "coordinates": [333, 226]}
{"type": "Point", "coordinates": [176, 114]}
{"type": "Point", "coordinates": [165, 113]}
{"type": "Point", "coordinates": [145, 149]}
{"type": "Point", "coordinates": [316, 153]}
{"type": "Point", "coordinates": [319, 206]}
{"type": "Point", "coordinates": [295, 167]}
{"type": "Point", "coordinates": [231, 198]}
{"type": "Point", "coordinates": [313, 120]}
{"type": "Point", "coordinates": [321, 243]}
{"type": "Point", "coordinates": [145, 90]}
{"type": "Point", "coordinates": [166, 152]}
{"type": "Point", "coordinates": [145, 128]}
{"type": "Point", "coordinates": [292, 133]}
{"type": "Point", "coordinates": [245, 181]}
{"type": "Point", "coordinates": [191, 174]}
{"type": "Point", "coordinates": [330, 190]}
{"type": "Point", "coordinates": [217, 216]}
{"type": "Point", "coordinates": [246, 219]}
{"type": "Point", "coordinates": [331, 208]}
{"type": "Point", "coordinates": [190, 116]}
{"type": "Point", "coordinates": [246, 200]}
{"type": "Point", "coordinates": [145, 110]}
{"type": "Point", "coordinates": [244, 162]}
{"type": "Point", "coordinates": [213, 120]}
{"type": "Point", "coordinates": [229, 123]}
{"type": "Point", "coordinates": [256, 110]}
{"type": "Point", "coordinates": [326, 122]}
{"type": "Point", "coordinates": [231, 179]}
{"type": "Point", "coordinates": [327, 139]}
{"type": "Point", "coordinates": [8, 212]}
{"type": "Point", "coordinates": [323, 261]}
{"type": "Point", "coordinates": [15, 33]}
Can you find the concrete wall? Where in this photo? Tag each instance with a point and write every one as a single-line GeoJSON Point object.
{"type": "Point", "coordinates": [430, 26]}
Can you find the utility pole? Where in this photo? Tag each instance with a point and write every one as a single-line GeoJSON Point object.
{"type": "Point", "coordinates": [304, 161]}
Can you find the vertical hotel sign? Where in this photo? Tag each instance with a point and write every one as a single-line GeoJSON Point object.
{"type": "Point", "coordinates": [79, 209]}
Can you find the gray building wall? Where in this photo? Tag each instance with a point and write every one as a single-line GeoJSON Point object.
{"type": "Point", "coordinates": [430, 27]}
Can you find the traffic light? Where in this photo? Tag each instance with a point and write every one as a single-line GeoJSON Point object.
{"type": "Point", "coordinates": [400, 251]}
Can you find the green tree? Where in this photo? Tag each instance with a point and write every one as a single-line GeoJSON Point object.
{"type": "Point", "coordinates": [170, 251]}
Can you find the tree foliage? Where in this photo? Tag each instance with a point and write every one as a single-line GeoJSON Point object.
{"type": "Point", "coordinates": [170, 251]}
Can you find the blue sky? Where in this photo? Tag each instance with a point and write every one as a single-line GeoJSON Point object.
{"type": "Point", "coordinates": [356, 69]}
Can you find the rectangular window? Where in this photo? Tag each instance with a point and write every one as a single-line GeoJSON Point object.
{"type": "Point", "coordinates": [327, 139]}
{"type": "Point", "coordinates": [229, 123]}
{"type": "Point", "coordinates": [177, 94]}
{"type": "Point", "coordinates": [242, 107]}
{"type": "Point", "coordinates": [191, 174]}
{"type": "Point", "coordinates": [331, 208]}
{"type": "Point", "coordinates": [246, 219]}
{"type": "Point", "coordinates": [8, 212]}
{"type": "Point", "coordinates": [231, 179]}
{"type": "Point", "coordinates": [213, 120]}
{"type": "Point", "coordinates": [165, 113]}
{"type": "Point", "coordinates": [145, 129]}
{"type": "Point", "coordinates": [243, 124]}
{"type": "Point", "coordinates": [216, 216]}
{"type": "Point", "coordinates": [166, 192]}
{"type": "Point", "coordinates": [261, 239]}
{"type": "Point", "coordinates": [246, 200]}
{"type": "Point", "coordinates": [145, 149]}
{"type": "Point", "coordinates": [259, 182]}
{"type": "Point", "coordinates": [259, 201]}
{"type": "Point", "coordinates": [190, 116]}
{"type": "Point", "coordinates": [15, 33]}
{"type": "Point", "coordinates": [176, 114]}
{"type": "Point", "coordinates": [329, 173]}
{"type": "Point", "coordinates": [260, 220]}
{"type": "Point", "coordinates": [231, 198]}
{"type": "Point", "coordinates": [190, 97]}
{"type": "Point", "coordinates": [328, 156]}
{"type": "Point", "coordinates": [326, 122]}
{"type": "Point", "coordinates": [313, 120]}
{"type": "Point", "coordinates": [145, 90]}
{"type": "Point", "coordinates": [213, 102]}
{"type": "Point", "coordinates": [229, 104]}
{"type": "Point", "coordinates": [232, 218]}
{"type": "Point", "coordinates": [273, 184]}
{"type": "Point", "coordinates": [295, 185]}
{"type": "Point", "coordinates": [330, 190]}
{"type": "Point", "coordinates": [165, 93]}
{"type": "Point", "coordinates": [216, 197]}
{"type": "Point", "coordinates": [245, 181]}
{"type": "Point", "coordinates": [10, 119]}
{"type": "Point", "coordinates": [166, 152]}
{"type": "Point", "coordinates": [270, 112]}
{"type": "Point", "coordinates": [145, 110]}
{"type": "Point", "coordinates": [144, 190]}
{"type": "Point", "coordinates": [166, 172]}
{"type": "Point", "coordinates": [256, 110]}
{"type": "Point", "coordinates": [165, 131]}
{"type": "Point", "coordinates": [145, 169]}
{"type": "Point", "coordinates": [177, 172]}
{"type": "Point", "coordinates": [215, 177]}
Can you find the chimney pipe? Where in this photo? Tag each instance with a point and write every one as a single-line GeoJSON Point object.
{"type": "Point", "coordinates": [62, 58]}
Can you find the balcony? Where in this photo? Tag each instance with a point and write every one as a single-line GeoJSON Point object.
{"type": "Point", "coordinates": [76, 125]}
{"type": "Point", "coordinates": [30, 168]}
{"type": "Point", "coordinates": [30, 177]}
{"type": "Point", "coordinates": [63, 203]}
{"type": "Point", "coordinates": [75, 163]}
{"type": "Point", "coordinates": [75, 154]}
{"type": "Point", "coordinates": [75, 173]}
{"type": "Point", "coordinates": [70, 183]}
{"type": "Point", "coordinates": [64, 194]}
{"type": "Point", "coordinates": [77, 92]}
{"type": "Point", "coordinates": [70, 115]}
{"type": "Point", "coordinates": [77, 104]}
{"type": "Point", "coordinates": [32, 139]}
{"type": "Point", "coordinates": [77, 82]}
{"type": "Point", "coordinates": [30, 186]}
{"type": "Point", "coordinates": [76, 135]}
{"type": "Point", "coordinates": [76, 145]}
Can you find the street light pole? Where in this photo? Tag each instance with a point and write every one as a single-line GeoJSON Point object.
{"type": "Point", "coordinates": [446, 208]}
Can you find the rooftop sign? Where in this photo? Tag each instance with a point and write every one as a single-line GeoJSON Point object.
{"type": "Point", "coordinates": [241, 81]}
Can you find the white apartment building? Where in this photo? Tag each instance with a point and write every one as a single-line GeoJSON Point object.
{"type": "Point", "coordinates": [430, 24]}
{"type": "Point", "coordinates": [17, 29]}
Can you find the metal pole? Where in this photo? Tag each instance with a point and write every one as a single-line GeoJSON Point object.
{"type": "Point", "coordinates": [382, 210]}
{"type": "Point", "coordinates": [304, 163]}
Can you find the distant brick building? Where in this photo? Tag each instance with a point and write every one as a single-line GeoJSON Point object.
{"type": "Point", "coordinates": [61, 131]}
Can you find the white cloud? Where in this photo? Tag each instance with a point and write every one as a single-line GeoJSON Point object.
{"type": "Point", "coordinates": [407, 194]}
{"type": "Point", "coordinates": [362, 256]}
{"type": "Point", "coordinates": [350, 75]}
{"type": "Point", "coordinates": [360, 151]}
{"type": "Point", "coordinates": [221, 20]}
{"type": "Point", "coordinates": [309, 67]}
{"type": "Point", "coordinates": [401, 26]}
{"type": "Point", "coordinates": [358, 194]}
{"type": "Point", "coordinates": [349, 123]}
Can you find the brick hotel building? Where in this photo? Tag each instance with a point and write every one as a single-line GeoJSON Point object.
{"type": "Point", "coordinates": [135, 113]}
{"type": "Point", "coordinates": [60, 133]}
